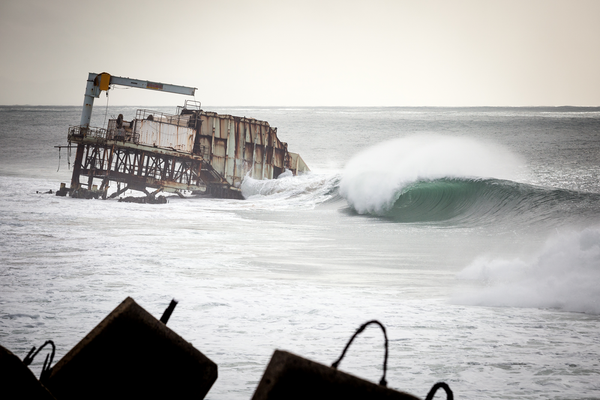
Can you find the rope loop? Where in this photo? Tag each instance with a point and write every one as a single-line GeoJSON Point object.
{"type": "Point", "coordinates": [443, 385]}
{"type": "Point", "coordinates": [382, 382]}
{"type": "Point", "coordinates": [46, 367]}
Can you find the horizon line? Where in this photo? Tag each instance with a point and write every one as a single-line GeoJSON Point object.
{"type": "Point", "coordinates": [318, 106]}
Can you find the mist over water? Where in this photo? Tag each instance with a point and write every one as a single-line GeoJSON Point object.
{"type": "Point", "coordinates": [472, 234]}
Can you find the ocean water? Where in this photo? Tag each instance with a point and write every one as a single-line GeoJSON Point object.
{"type": "Point", "coordinates": [472, 234]}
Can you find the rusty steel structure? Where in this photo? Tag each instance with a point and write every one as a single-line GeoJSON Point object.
{"type": "Point", "coordinates": [192, 150]}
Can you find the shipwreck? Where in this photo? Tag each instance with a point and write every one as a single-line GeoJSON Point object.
{"type": "Point", "coordinates": [190, 151]}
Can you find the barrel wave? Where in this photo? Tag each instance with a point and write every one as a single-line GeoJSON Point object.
{"type": "Point", "coordinates": [454, 180]}
{"type": "Point", "coordinates": [488, 201]}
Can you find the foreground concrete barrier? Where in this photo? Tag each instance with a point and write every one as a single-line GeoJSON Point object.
{"type": "Point", "coordinates": [292, 377]}
{"type": "Point", "coordinates": [17, 380]}
{"type": "Point", "coordinates": [131, 354]}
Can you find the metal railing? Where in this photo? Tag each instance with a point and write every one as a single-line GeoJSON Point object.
{"type": "Point", "coordinates": [191, 105]}
{"type": "Point", "coordinates": [179, 120]}
{"type": "Point", "coordinates": [81, 132]}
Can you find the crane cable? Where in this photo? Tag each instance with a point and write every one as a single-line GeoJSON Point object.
{"type": "Point", "coordinates": [106, 110]}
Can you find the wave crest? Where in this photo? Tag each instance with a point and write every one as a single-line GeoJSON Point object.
{"type": "Point", "coordinates": [374, 179]}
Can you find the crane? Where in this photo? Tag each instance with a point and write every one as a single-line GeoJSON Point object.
{"type": "Point", "coordinates": [97, 83]}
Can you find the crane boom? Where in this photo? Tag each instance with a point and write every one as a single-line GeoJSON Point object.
{"type": "Point", "coordinates": [97, 83]}
{"type": "Point", "coordinates": [165, 87]}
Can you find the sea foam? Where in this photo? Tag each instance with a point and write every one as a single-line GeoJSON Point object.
{"type": "Point", "coordinates": [304, 190]}
{"type": "Point", "coordinates": [373, 179]}
{"type": "Point", "coordinates": [563, 275]}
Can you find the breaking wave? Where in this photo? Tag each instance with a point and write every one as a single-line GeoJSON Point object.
{"type": "Point", "coordinates": [457, 180]}
{"type": "Point", "coordinates": [431, 179]}
{"type": "Point", "coordinates": [375, 178]}
{"type": "Point", "coordinates": [488, 201]}
{"type": "Point", "coordinates": [563, 275]}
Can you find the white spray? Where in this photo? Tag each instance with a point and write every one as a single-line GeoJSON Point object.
{"type": "Point", "coordinates": [564, 275]}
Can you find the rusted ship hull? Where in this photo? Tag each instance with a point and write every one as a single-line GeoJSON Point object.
{"type": "Point", "coordinates": [193, 150]}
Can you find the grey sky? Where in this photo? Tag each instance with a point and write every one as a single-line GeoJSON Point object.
{"type": "Point", "coordinates": [311, 53]}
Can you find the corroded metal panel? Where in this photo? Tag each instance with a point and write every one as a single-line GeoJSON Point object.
{"type": "Point", "coordinates": [218, 163]}
{"type": "Point", "coordinates": [278, 158]}
{"type": "Point", "coordinates": [258, 162]}
{"type": "Point", "coordinates": [249, 153]}
{"type": "Point", "coordinates": [297, 164]}
{"type": "Point", "coordinates": [160, 134]}
{"type": "Point", "coordinates": [206, 143]}
{"type": "Point", "coordinates": [240, 144]}
{"type": "Point", "coordinates": [220, 149]}
{"type": "Point", "coordinates": [229, 153]}
{"type": "Point", "coordinates": [224, 126]}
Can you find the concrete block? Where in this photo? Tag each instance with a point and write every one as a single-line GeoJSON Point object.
{"type": "Point", "coordinates": [292, 377]}
{"type": "Point", "coordinates": [17, 380]}
{"type": "Point", "coordinates": [131, 354]}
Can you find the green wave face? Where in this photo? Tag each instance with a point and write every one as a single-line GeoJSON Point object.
{"type": "Point", "coordinates": [488, 201]}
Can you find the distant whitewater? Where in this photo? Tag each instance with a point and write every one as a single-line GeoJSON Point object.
{"type": "Point", "coordinates": [563, 275]}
